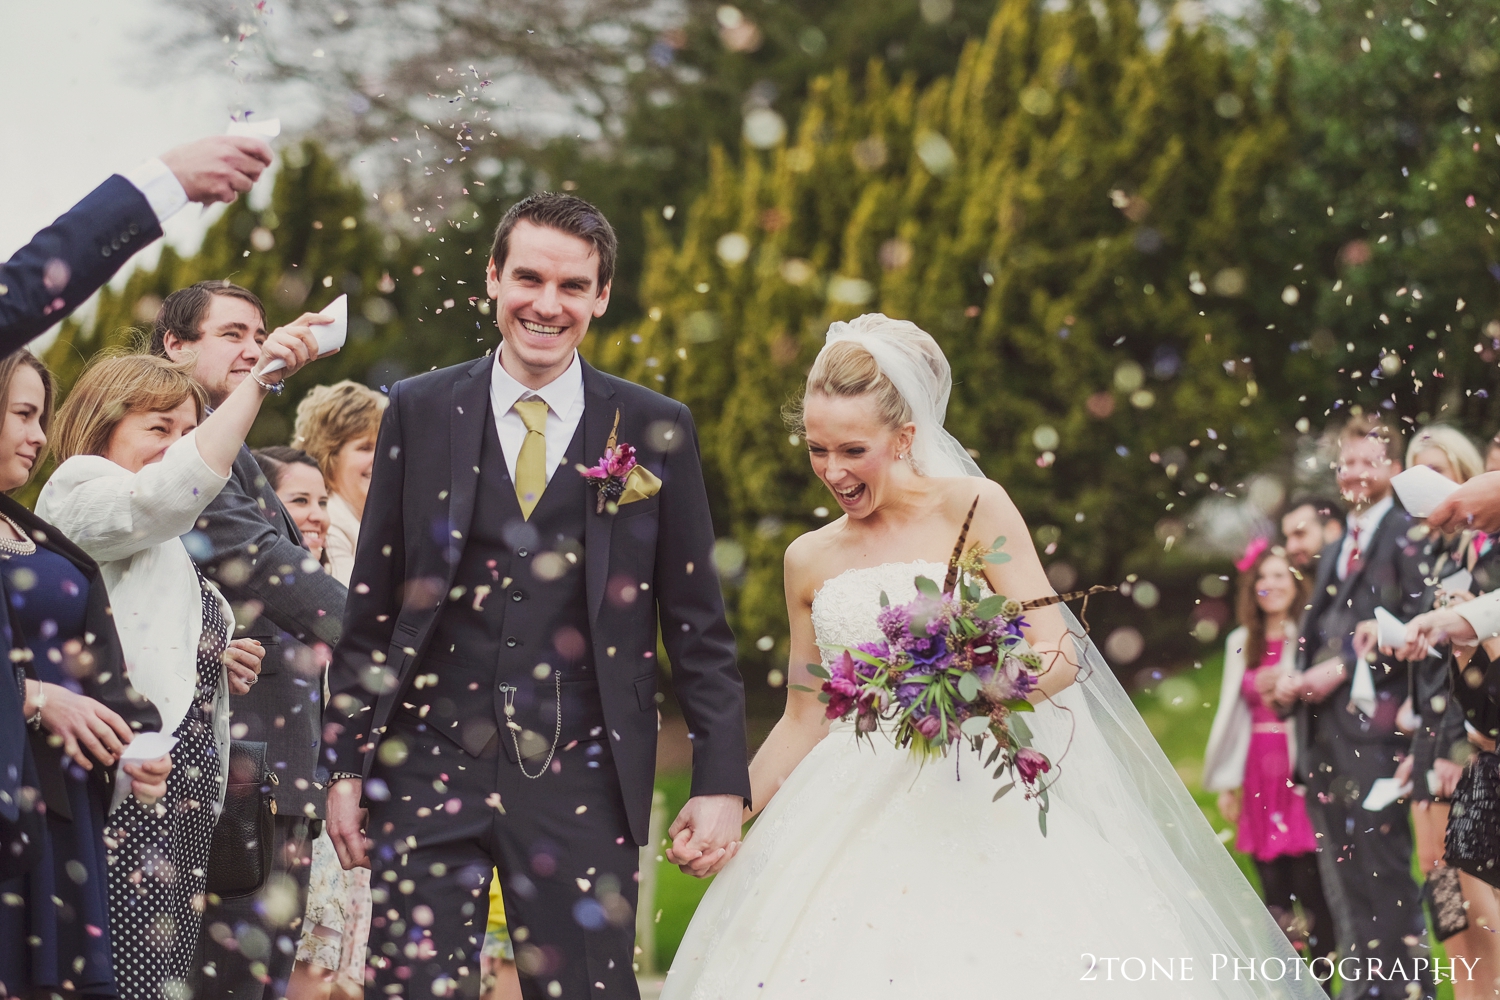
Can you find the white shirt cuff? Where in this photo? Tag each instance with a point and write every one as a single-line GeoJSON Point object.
{"type": "Point", "coordinates": [164, 193]}
{"type": "Point", "coordinates": [1483, 613]}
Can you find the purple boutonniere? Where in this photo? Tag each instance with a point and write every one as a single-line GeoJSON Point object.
{"type": "Point", "coordinates": [607, 475]}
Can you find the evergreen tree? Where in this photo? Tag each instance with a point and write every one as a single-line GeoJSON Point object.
{"type": "Point", "coordinates": [1052, 214]}
{"type": "Point", "coordinates": [1393, 206]}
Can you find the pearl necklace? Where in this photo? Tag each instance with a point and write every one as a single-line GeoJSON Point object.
{"type": "Point", "coordinates": [25, 546]}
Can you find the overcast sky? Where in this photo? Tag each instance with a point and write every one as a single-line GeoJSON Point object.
{"type": "Point", "coordinates": [81, 102]}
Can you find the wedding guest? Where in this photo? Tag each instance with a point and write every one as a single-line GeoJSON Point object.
{"type": "Point", "coordinates": [54, 920]}
{"type": "Point", "coordinates": [72, 258]}
{"type": "Point", "coordinates": [1347, 735]}
{"type": "Point", "coordinates": [1310, 525]}
{"type": "Point", "coordinates": [337, 425]}
{"type": "Point", "coordinates": [1438, 745]}
{"type": "Point", "coordinates": [139, 463]}
{"type": "Point", "coordinates": [300, 487]}
{"type": "Point", "coordinates": [251, 548]}
{"type": "Point", "coordinates": [1250, 749]}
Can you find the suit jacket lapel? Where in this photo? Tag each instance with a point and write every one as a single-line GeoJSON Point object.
{"type": "Point", "coordinates": [598, 420]}
{"type": "Point", "coordinates": [471, 408]}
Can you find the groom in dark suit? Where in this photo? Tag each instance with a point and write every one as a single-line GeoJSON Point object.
{"type": "Point", "coordinates": [1346, 723]}
{"type": "Point", "coordinates": [494, 694]}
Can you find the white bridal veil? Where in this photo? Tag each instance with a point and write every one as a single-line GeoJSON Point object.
{"type": "Point", "coordinates": [1114, 775]}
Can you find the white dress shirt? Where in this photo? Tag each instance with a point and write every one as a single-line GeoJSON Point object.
{"type": "Point", "coordinates": [164, 193]}
{"type": "Point", "coordinates": [1361, 528]}
{"type": "Point", "coordinates": [564, 399]}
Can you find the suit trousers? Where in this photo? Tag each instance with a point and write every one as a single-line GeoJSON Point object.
{"type": "Point", "coordinates": [248, 944]}
{"type": "Point", "coordinates": [1365, 860]}
{"type": "Point", "coordinates": [562, 846]}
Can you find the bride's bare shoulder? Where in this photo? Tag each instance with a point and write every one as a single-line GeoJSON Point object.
{"type": "Point", "coordinates": [958, 492]}
{"type": "Point", "coordinates": [808, 548]}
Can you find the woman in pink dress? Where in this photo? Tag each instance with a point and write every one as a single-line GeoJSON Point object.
{"type": "Point", "coordinates": [1250, 749]}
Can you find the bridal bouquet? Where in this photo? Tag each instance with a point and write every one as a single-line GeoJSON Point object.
{"type": "Point", "coordinates": [953, 666]}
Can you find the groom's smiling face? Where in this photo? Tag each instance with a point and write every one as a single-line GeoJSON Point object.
{"type": "Point", "coordinates": [546, 291]}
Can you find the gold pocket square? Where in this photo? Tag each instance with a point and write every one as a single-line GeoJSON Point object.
{"type": "Point", "coordinates": [640, 484]}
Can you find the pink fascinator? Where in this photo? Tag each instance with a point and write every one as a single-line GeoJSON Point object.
{"type": "Point", "coordinates": [1252, 553]}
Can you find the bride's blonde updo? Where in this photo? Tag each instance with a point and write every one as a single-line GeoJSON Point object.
{"type": "Point", "coordinates": [902, 370]}
{"type": "Point", "coordinates": [845, 368]}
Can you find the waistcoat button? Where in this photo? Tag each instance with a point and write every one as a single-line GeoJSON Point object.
{"type": "Point", "coordinates": [523, 553]}
{"type": "Point", "coordinates": [515, 595]}
{"type": "Point", "coordinates": [511, 641]}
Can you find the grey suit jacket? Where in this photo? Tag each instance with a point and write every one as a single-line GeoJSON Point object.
{"type": "Point", "coordinates": [253, 551]}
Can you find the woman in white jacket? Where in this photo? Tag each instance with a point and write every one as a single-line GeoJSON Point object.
{"type": "Point", "coordinates": [139, 463]}
{"type": "Point", "coordinates": [1251, 752]}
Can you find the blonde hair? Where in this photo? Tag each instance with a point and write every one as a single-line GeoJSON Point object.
{"type": "Point", "coordinates": [1455, 445]}
{"type": "Point", "coordinates": [844, 368]}
{"type": "Point", "coordinates": [114, 385]}
{"type": "Point", "coordinates": [330, 416]}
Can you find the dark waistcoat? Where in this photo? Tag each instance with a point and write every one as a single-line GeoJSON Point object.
{"type": "Point", "coordinates": [515, 628]}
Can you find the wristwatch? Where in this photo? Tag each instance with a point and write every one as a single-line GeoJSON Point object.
{"type": "Point", "coordinates": [341, 775]}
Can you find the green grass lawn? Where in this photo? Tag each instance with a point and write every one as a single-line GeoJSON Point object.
{"type": "Point", "coordinates": [1179, 712]}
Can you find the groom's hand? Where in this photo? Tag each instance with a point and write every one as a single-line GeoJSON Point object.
{"type": "Point", "coordinates": [706, 834]}
{"type": "Point", "coordinates": [346, 823]}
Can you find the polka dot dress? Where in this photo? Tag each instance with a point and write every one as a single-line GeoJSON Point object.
{"type": "Point", "coordinates": [158, 854]}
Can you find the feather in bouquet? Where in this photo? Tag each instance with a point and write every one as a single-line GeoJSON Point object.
{"type": "Point", "coordinates": [953, 666]}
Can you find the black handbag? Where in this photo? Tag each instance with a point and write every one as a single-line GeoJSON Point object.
{"type": "Point", "coordinates": [1444, 895]}
{"type": "Point", "coordinates": [1472, 843]}
{"type": "Point", "coordinates": [239, 858]}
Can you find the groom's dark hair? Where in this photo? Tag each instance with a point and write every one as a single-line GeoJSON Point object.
{"type": "Point", "coordinates": [565, 213]}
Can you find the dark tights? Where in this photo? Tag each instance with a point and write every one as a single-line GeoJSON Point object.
{"type": "Point", "coordinates": [1294, 877]}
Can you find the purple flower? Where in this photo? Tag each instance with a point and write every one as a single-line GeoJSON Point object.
{"type": "Point", "coordinates": [1009, 680]}
{"type": "Point", "coordinates": [1031, 764]}
{"type": "Point", "coordinates": [907, 694]}
{"type": "Point", "coordinates": [842, 687]}
{"type": "Point", "coordinates": [929, 726]}
{"type": "Point", "coordinates": [615, 464]}
{"type": "Point", "coordinates": [930, 652]}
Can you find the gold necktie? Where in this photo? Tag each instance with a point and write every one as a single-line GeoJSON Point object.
{"type": "Point", "coordinates": [531, 464]}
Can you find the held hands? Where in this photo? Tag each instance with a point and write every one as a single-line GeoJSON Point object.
{"type": "Point", "coordinates": [346, 823]}
{"type": "Point", "coordinates": [1435, 628]}
{"type": "Point", "coordinates": [218, 168]}
{"type": "Point", "coordinates": [87, 727]}
{"type": "Point", "coordinates": [148, 778]}
{"type": "Point", "coordinates": [1475, 504]}
{"type": "Point", "coordinates": [242, 658]}
{"type": "Point", "coordinates": [1448, 774]}
{"type": "Point", "coordinates": [706, 834]}
{"type": "Point", "coordinates": [294, 345]}
{"type": "Point", "coordinates": [1314, 685]}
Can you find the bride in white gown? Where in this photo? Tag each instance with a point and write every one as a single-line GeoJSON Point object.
{"type": "Point", "coordinates": [868, 874]}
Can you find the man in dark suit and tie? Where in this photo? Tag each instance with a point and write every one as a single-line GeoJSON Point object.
{"type": "Point", "coordinates": [1347, 705]}
{"type": "Point", "coordinates": [493, 700]}
{"type": "Point", "coordinates": [72, 258]}
{"type": "Point", "coordinates": [247, 544]}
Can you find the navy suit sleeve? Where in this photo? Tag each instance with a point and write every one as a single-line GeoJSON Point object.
{"type": "Point", "coordinates": [71, 259]}
{"type": "Point", "coordinates": [697, 638]}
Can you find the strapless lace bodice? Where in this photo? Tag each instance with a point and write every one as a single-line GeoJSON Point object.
{"type": "Point", "coordinates": [843, 611]}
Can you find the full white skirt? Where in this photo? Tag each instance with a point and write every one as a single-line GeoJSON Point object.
{"type": "Point", "coordinates": [870, 875]}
